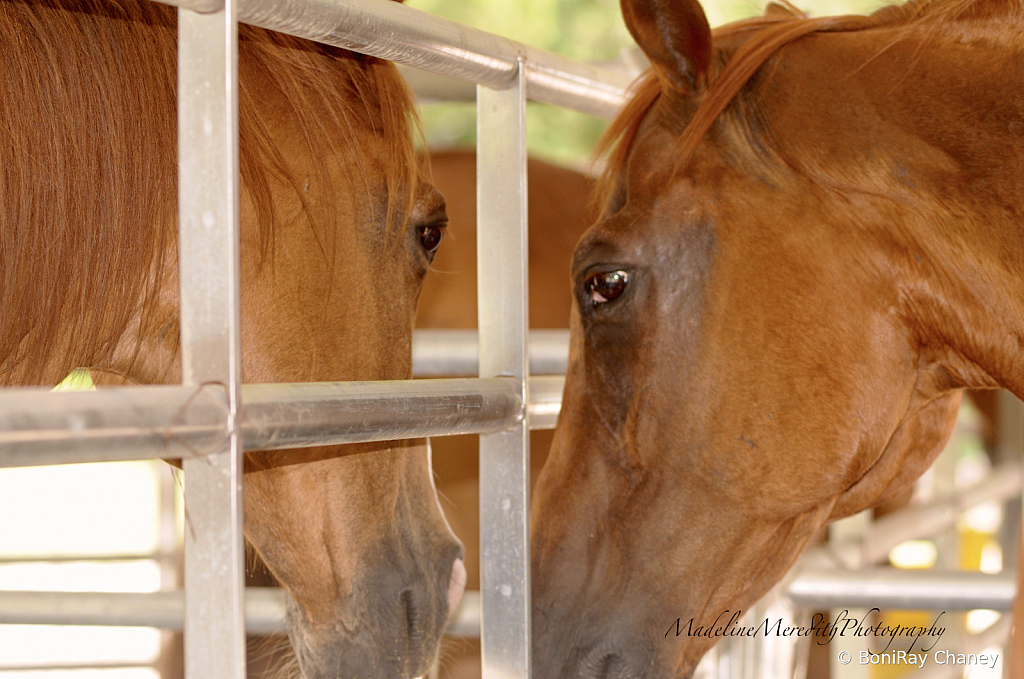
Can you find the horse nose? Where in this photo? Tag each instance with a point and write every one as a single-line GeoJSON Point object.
{"type": "Point", "coordinates": [394, 619]}
{"type": "Point", "coordinates": [456, 584]}
{"type": "Point", "coordinates": [418, 625]}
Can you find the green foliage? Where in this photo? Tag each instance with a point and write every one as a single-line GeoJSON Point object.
{"type": "Point", "coordinates": [589, 30]}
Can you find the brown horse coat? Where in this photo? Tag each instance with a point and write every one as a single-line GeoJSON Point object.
{"type": "Point", "coordinates": [810, 244]}
{"type": "Point", "coordinates": [337, 234]}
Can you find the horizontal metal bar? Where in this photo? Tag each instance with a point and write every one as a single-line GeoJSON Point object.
{"type": "Point", "coordinates": [466, 620]}
{"type": "Point", "coordinates": [545, 400]}
{"type": "Point", "coordinates": [264, 610]}
{"type": "Point", "coordinates": [414, 38]}
{"type": "Point", "coordinates": [455, 353]}
{"type": "Point", "coordinates": [40, 427]}
{"type": "Point", "coordinates": [392, 31]}
{"type": "Point", "coordinates": [201, 6]}
{"type": "Point", "coordinates": [69, 666]}
{"type": "Point", "coordinates": [884, 588]}
{"type": "Point", "coordinates": [91, 558]}
{"type": "Point", "coordinates": [921, 521]}
{"type": "Point", "coordinates": [889, 588]}
{"type": "Point", "coordinates": [300, 415]}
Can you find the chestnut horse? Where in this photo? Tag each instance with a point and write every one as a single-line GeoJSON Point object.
{"type": "Point", "coordinates": [810, 238]}
{"type": "Point", "coordinates": [338, 231]}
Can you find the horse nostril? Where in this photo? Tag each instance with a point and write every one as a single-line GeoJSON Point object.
{"type": "Point", "coordinates": [608, 665]}
{"type": "Point", "coordinates": [412, 617]}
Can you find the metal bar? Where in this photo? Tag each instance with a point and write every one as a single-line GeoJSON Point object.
{"type": "Point", "coordinates": [134, 423]}
{"type": "Point", "coordinates": [208, 209]}
{"type": "Point", "coordinates": [885, 588]}
{"type": "Point", "coordinates": [392, 31]}
{"type": "Point", "coordinates": [894, 588]}
{"type": "Point", "coordinates": [66, 666]}
{"type": "Point", "coordinates": [40, 427]}
{"type": "Point", "coordinates": [90, 558]}
{"type": "Point", "coordinates": [264, 609]}
{"type": "Point", "coordinates": [502, 310]}
{"type": "Point", "coordinates": [454, 353]}
{"type": "Point", "coordinates": [408, 36]}
{"type": "Point", "coordinates": [301, 415]}
{"type": "Point", "coordinates": [851, 529]}
{"type": "Point", "coordinates": [465, 620]}
{"type": "Point", "coordinates": [545, 400]}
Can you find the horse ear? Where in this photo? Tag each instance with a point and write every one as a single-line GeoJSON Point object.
{"type": "Point", "coordinates": [783, 9]}
{"type": "Point", "coordinates": [675, 36]}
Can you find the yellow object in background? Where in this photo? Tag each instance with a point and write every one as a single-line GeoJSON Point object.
{"type": "Point", "coordinates": [78, 380]}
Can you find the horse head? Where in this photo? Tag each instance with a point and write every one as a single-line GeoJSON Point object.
{"type": "Point", "coordinates": [800, 264]}
{"type": "Point", "coordinates": [353, 533]}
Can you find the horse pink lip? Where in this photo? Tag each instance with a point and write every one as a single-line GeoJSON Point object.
{"type": "Point", "coordinates": [457, 584]}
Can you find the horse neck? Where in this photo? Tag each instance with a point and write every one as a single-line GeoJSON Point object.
{"type": "Point", "coordinates": [926, 131]}
{"type": "Point", "coordinates": [974, 237]}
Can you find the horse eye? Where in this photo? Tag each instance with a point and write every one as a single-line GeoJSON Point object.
{"type": "Point", "coordinates": [430, 237]}
{"type": "Point", "coordinates": [605, 286]}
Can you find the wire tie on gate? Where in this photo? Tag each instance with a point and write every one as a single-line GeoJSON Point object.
{"type": "Point", "coordinates": [179, 418]}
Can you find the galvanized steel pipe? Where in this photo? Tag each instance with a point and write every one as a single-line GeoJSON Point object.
{"type": "Point", "coordinates": [889, 588]}
{"type": "Point", "coordinates": [264, 607]}
{"type": "Point", "coordinates": [137, 423]}
{"type": "Point", "coordinates": [392, 31]}
{"type": "Point", "coordinates": [301, 415]}
{"type": "Point", "coordinates": [40, 427]}
{"type": "Point", "coordinates": [455, 353]}
{"type": "Point", "coordinates": [264, 610]}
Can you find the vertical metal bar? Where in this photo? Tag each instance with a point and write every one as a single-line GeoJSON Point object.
{"type": "Point", "coordinates": [1009, 418]}
{"type": "Point", "coordinates": [208, 198]}
{"type": "Point", "coordinates": [502, 313]}
{"type": "Point", "coordinates": [848, 666]}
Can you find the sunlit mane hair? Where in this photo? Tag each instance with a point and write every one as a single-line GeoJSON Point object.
{"type": "Point", "coordinates": [767, 35]}
{"type": "Point", "coordinates": [88, 156]}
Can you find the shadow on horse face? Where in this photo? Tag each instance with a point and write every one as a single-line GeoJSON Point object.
{"type": "Point", "coordinates": [338, 229]}
{"type": "Point", "coordinates": [772, 322]}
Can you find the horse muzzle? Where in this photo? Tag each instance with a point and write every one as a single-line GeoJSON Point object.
{"type": "Point", "coordinates": [382, 632]}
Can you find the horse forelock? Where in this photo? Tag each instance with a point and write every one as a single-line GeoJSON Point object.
{"type": "Point", "coordinates": [88, 164]}
{"type": "Point", "coordinates": [331, 93]}
{"type": "Point", "coordinates": [763, 37]}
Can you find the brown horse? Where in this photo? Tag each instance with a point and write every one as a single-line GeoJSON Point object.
{"type": "Point", "coordinates": [338, 231]}
{"type": "Point", "coordinates": [558, 216]}
{"type": "Point", "coordinates": [809, 245]}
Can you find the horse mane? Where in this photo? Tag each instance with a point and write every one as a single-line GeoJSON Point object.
{"type": "Point", "coordinates": [88, 171]}
{"type": "Point", "coordinates": [767, 35]}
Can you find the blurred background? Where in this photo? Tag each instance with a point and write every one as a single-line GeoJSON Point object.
{"type": "Point", "coordinates": [589, 30]}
